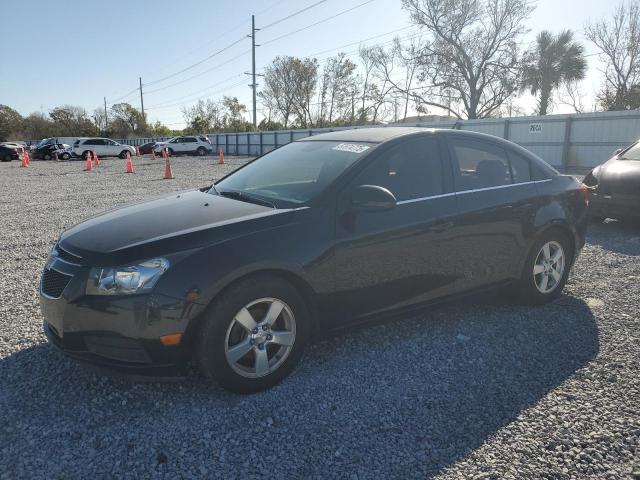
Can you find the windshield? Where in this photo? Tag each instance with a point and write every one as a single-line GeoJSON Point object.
{"type": "Point", "coordinates": [296, 172]}
{"type": "Point", "coordinates": [632, 153]}
{"type": "Point", "coordinates": [44, 142]}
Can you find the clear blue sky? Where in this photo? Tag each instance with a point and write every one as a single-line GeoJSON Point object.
{"type": "Point", "coordinates": [75, 52]}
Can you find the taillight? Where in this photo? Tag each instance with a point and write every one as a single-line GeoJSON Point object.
{"type": "Point", "coordinates": [584, 191]}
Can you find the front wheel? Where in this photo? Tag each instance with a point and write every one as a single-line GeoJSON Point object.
{"type": "Point", "coordinates": [201, 151]}
{"type": "Point", "coordinates": [123, 154]}
{"type": "Point", "coordinates": [65, 156]}
{"type": "Point", "coordinates": [546, 269]}
{"type": "Point", "coordinates": [46, 157]}
{"type": "Point", "coordinates": [7, 158]}
{"type": "Point", "coordinates": [254, 335]}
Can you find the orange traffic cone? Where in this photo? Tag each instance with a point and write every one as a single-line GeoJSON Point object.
{"type": "Point", "coordinates": [220, 157]}
{"type": "Point", "coordinates": [129, 164]}
{"type": "Point", "coordinates": [137, 152]}
{"type": "Point", "coordinates": [88, 168]}
{"type": "Point", "coordinates": [96, 162]}
{"type": "Point", "coordinates": [28, 158]}
{"type": "Point", "coordinates": [168, 173]}
{"type": "Point", "coordinates": [23, 160]}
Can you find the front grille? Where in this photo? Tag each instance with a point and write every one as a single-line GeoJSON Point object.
{"type": "Point", "coordinates": [53, 283]}
{"type": "Point", "coordinates": [66, 256]}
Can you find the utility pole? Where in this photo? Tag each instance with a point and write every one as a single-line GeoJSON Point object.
{"type": "Point", "coordinates": [253, 68]}
{"type": "Point", "coordinates": [106, 120]}
{"type": "Point", "coordinates": [142, 100]}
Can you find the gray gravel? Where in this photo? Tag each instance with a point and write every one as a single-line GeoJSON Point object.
{"type": "Point", "coordinates": [475, 390]}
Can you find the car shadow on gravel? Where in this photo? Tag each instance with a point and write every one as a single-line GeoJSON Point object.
{"type": "Point", "coordinates": [404, 399]}
{"type": "Point", "coordinates": [616, 236]}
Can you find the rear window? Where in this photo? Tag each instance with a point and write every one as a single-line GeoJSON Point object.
{"type": "Point", "coordinates": [520, 168]}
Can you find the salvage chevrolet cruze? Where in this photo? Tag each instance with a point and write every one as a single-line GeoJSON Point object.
{"type": "Point", "coordinates": [324, 232]}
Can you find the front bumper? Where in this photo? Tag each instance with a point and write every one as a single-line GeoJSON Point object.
{"type": "Point", "coordinates": [614, 205]}
{"type": "Point", "coordinates": [119, 334]}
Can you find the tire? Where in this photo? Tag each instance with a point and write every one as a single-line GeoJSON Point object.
{"type": "Point", "coordinates": [7, 158]}
{"type": "Point", "coordinates": [201, 152]}
{"type": "Point", "coordinates": [85, 154]}
{"type": "Point", "coordinates": [220, 331]}
{"type": "Point", "coordinates": [123, 154]}
{"type": "Point", "coordinates": [170, 152]}
{"type": "Point", "coordinates": [46, 156]}
{"type": "Point", "coordinates": [531, 288]}
{"type": "Point", "coordinates": [65, 156]}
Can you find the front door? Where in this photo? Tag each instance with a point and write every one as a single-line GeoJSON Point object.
{"type": "Point", "coordinates": [399, 257]}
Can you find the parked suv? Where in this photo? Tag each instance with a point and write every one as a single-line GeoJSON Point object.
{"type": "Point", "coordinates": [196, 145]}
{"type": "Point", "coordinates": [104, 147]}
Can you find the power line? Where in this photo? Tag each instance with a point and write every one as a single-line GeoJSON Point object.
{"type": "Point", "coordinates": [193, 65]}
{"type": "Point", "coordinates": [196, 92]}
{"type": "Point", "coordinates": [293, 15]}
{"type": "Point", "coordinates": [361, 41]}
{"type": "Point", "coordinates": [198, 98]}
{"type": "Point", "coordinates": [201, 73]}
{"type": "Point", "coordinates": [135, 90]}
{"type": "Point", "coordinates": [317, 23]}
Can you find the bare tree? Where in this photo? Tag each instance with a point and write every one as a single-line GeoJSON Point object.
{"type": "Point", "coordinates": [618, 39]}
{"type": "Point", "coordinates": [572, 96]}
{"type": "Point", "coordinates": [470, 54]}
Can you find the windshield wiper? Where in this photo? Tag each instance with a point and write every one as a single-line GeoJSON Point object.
{"type": "Point", "coordinates": [243, 197]}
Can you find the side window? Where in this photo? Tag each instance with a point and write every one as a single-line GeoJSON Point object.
{"type": "Point", "coordinates": [520, 168]}
{"type": "Point", "coordinates": [410, 170]}
{"type": "Point", "coordinates": [537, 173]}
{"type": "Point", "coordinates": [98, 141]}
{"type": "Point", "coordinates": [479, 165]}
{"type": "Point", "coordinates": [176, 140]}
{"type": "Point", "coordinates": [189, 140]}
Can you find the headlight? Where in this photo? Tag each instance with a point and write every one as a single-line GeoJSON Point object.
{"type": "Point", "coordinates": [126, 280]}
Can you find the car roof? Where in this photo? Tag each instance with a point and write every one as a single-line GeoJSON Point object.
{"type": "Point", "coordinates": [372, 135]}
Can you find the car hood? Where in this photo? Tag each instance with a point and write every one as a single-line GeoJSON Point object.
{"type": "Point", "coordinates": [165, 225]}
{"type": "Point", "coordinates": [619, 176]}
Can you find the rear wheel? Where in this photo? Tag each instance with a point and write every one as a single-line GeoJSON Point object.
{"type": "Point", "coordinates": [254, 335]}
{"type": "Point", "coordinates": [86, 154]}
{"type": "Point", "coordinates": [546, 269]}
{"type": "Point", "coordinates": [65, 156]}
{"type": "Point", "coordinates": [46, 156]}
{"type": "Point", "coordinates": [201, 151]}
{"type": "Point", "coordinates": [7, 158]}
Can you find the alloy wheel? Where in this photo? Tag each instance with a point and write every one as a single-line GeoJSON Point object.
{"type": "Point", "coordinates": [549, 267]}
{"type": "Point", "coordinates": [260, 337]}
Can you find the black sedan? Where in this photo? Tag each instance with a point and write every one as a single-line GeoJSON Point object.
{"type": "Point", "coordinates": [9, 152]}
{"type": "Point", "coordinates": [328, 231]}
{"type": "Point", "coordinates": [615, 186]}
{"type": "Point", "coordinates": [146, 148]}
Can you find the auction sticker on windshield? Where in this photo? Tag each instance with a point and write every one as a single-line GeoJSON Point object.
{"type": "Point", "coordinates": [351, 147]}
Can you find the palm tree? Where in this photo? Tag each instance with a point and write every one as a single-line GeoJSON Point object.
{"type": "Point", "coordinates": [553, 61]}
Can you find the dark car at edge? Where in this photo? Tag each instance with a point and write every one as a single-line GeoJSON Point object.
{"type": "Point", "coordinates": [333, 230]}
{"type": "Point", "coordinates": [615, 186]}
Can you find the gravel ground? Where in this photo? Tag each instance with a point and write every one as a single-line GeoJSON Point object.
{"type": "Point", "coordinates": [474, 390]}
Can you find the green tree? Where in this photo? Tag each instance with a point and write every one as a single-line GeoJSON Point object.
{"type": "Point", "coordinates": [69, 121]}
{"type": "Point", "coordinates": [555, 60]}
{"type": "Point", "coordinates": [126, 121]}
{"type": "Point", "coordinates": [10, 122]}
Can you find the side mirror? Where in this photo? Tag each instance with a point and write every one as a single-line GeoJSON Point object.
{"type": "Point", "coordinates": [372, 198]}
{"type": "Point", "coordinates": [617, 152]}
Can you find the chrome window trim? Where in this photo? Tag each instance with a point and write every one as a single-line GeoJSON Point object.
{"type": "Point", "coordinates": [464, 192]}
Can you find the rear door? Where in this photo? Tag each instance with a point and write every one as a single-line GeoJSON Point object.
{"type": "Point", "coordinates": [496, 200]}
{"type": "Point", "coordinates": [190, 144]}
{"type": "Point", "coordinates": [403, 256]}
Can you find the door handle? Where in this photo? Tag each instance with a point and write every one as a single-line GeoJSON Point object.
{"type": "Point", "coordinates": [441, 226]}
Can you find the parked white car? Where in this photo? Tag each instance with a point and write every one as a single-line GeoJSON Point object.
{"type": "Point", "coordinates": [104, 147]}
{"type": "Point", "coordinates": [195, 145]}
